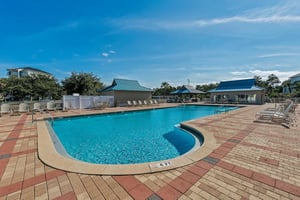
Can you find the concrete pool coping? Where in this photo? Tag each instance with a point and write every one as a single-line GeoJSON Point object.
{"type": "Point", "coordinates": [50, 156]}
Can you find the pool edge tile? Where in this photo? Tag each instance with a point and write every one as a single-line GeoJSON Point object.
{"type": "Point", "coordinates": [49, 155]}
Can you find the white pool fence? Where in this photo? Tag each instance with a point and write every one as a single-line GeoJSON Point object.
{"type": "Point", "coordinates": [86, 102]}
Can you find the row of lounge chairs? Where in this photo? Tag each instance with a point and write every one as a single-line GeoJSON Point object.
{"type": "Point", "coordinates": [26, 108]}
{"type": "Point", "coordinates": [283, 114]}
{"type": "Point", "coordinates": [142, 103]}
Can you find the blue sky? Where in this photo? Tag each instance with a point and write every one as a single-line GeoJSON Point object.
{"type": "Point", "coordinates": [200, 41]}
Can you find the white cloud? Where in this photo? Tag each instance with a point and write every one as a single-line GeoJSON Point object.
{"type": "Point", "coordinates": [112, 52]}
{"type": "Point", "coordinates": [280, 74]}
{"type": "Point", "coordinates": [237, 73]}
{"type": "Point", "coordinates": [284, 8]}
{"type": "Point", "coordinates": [63, 72]}
{"type": "Point", "coordinates": [280, 13]}
{"type": "Point", "coordinates": [278, 55]}
{"type": "Point", "coordinates": [105, 54]}
{"type": "Point", "coordinates": [174, 25]}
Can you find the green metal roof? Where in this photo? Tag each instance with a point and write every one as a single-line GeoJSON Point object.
{"type": "Point", "coordinates": [187, 89]}
{"type": "Point", "coordinates": [126, 85]}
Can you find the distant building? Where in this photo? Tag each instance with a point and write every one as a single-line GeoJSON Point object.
{"type": "Point", "coordinates": [126, 90]}
{"type": "Point", "coordinates": [238, 91]}
{"type": "Point", "coordinates": [25, 71]}
{"type": "Point", "coordinates": [293, 80]}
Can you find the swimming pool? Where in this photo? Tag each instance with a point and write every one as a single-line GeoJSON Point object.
{"type": "Point", "coordinates": [130, 137]}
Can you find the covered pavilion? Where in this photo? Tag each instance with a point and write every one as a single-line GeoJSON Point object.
{"type": "Point", "coordinates": [187, 93]}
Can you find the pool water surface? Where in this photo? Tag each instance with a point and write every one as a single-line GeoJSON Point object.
{"type": "Point", "coordinates": [130, 137]}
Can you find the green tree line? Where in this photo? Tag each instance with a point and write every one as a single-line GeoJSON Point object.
{"type": "Point", "coordinates": [272, 85]}
{"type": "Point", "coordinates": [37, 87]}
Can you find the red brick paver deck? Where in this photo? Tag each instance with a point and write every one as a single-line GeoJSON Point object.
{"type": "Point", "coordinates": [252, 161]}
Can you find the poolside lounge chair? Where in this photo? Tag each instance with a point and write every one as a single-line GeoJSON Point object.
{"type": "Point", "coordinates": [51, 106]}
{"type": "Point", "coordinates": [23, 108]}
{"type": "Point", "coordinates": [140, 103]}
{"type": "Point", "coordinates": [37, 107]}
{"type": "Point", "coordinates": [134, 103]}
{"type": "Point", "coordinates": [129, 103]}
{"type": "Point", "coordinates": [145, 102]}
{"type": "Point", "coordinates": [155, 102]}
{"type": "Point", "coordinates": [267, 113]}
{"type": "Point", "coordinates": [99, 105]}
{"type": "Point", "coordinates": [284, 118]}
{"type": "Point", "coordinates": [5, 108]}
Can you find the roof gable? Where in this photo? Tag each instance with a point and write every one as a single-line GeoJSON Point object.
{"type": "Point", "coordinates": [29, 69]}
{"type": "Point", "coordinates": [237, 84]}
{"type": "Point", "coordinates": [187, 89]}
{"type": "Point", "coordinates": [126, 85]}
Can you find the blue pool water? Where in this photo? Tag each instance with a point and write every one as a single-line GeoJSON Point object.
{"type": "Point", "coordinates": [129, 137]}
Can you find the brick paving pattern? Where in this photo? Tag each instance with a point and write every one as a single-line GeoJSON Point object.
{"type": "Point", "coordinates": [252, 161]}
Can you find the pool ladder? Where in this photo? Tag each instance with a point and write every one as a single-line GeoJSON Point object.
{"type": "Point", "coordinates": [221, 109]}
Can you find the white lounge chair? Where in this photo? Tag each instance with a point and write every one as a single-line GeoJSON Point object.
{"type": "Point", "coordinates": [98, 105]}
{"type": "Point", "coordinates": [5, 108]}
{"type": "Point", "coordinates": [267, 114]}
{"type": "Point", "coordinates": [140, 103]}
{"type": "Point", "coordinates": [277, 117]}
{"type": "Point", "coordinates": [37, 107]}
{"type": "Point", "coordinates": [51, 106]}
{"type": "Point", "coordinates": [129, 103]}
{"type": "Point", "coordinates": [134, 103]}
{"type": "Point", "coordinates": [145, 102]}
{"type": "Point", "coordinates": [23, 108]}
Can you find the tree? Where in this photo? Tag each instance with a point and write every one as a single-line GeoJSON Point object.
{"type": "Point", "coordinates": [45, 87]}
{"type": "Point", "coordinates": [82, 83]}
{"type": "Point", "coordinates": [31, 87]}
{"type": "Point", "coordinates": [164, 90]}
{"type": "Point", "coordinates": [286, 86]}
{"type": "Point", "coordinates": [272, 80]}
{"type": "Point", "coordinates": [296, 90]}
{"type": "Point", "coordinates": [206, 88]}
{"type": "Point", "coordinates": [272, 85]}
{"type": "Point", "coordinates": [17, 88]}
{"type": "Point", "coordinates": [259, 82]}
{"type": "Point", "coordinates": [3, 82]}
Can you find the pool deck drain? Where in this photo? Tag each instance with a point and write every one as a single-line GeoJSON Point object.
{"type": "Point", "coordinates": [250, 161]}
{"type": "Point", "coordinates": [160, 165]}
